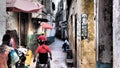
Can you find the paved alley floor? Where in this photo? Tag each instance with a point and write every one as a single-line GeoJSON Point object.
{"type": "Point", "coordinates": [58, 56]}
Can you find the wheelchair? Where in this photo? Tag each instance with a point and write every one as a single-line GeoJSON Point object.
{"type": "Point", "coordinates": [43, 61]}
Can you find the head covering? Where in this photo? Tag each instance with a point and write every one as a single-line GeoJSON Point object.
{"type": "Point", "coordinates": [42, 32]}
{"type": "Point", "coordinates": [6, 37]}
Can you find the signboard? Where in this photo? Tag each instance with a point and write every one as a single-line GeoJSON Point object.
{"type": "Point", "coordinates": [84, 26]}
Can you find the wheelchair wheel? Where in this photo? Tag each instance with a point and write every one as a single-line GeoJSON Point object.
{"type": "Point", "coordinates": [48, 65]}
{"type": "Point", "coordinates": [37, 65]}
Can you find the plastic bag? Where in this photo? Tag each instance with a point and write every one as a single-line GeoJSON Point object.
{"type": "Point", "coordinates": [14, 56]}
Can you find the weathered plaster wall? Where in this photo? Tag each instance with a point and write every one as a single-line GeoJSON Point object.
{"type": "Point", "coordinates": [105, 31]}
{"type": "Point", "coordinates": [85, 48]}
{"type": "Point", "coordinates": [71, 27]}
{"type": "Point", "coordinates": [12, 25]}
{"type": "Point", "coordinates": [2, 19]}
{"type": "Point", "coordinates": [79, 54]}
{"type": "Point", "coordinates": [12, 21]}
{"type": "Point", "coordinates": [116, 33]}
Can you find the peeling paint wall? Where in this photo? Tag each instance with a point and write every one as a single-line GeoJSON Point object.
{"type": "Point", "coordinates": [13, 24]}
{"type": "Point", "coordinates": [85, 48]}
{"type": "Point", "coordinates": [88, 45]}
{"type": "Point", "coordinates": [104, 34]}
{"type": "Point", "coordinates": [2, 19]}
{"type": "Point", "coordinates": [12, 21]}
{"type": "Point", "coordinates": [79, 53]}
{"type": "Point", "coordinates": [105, 31]}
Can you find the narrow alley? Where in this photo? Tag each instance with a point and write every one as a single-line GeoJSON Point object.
{"type": "Point", "coordinates": [90, 28]}
{"type": "Point", "coordinates": [58, 56]}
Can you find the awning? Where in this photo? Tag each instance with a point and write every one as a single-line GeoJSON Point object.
{"type": "Point", "coordinates": [46, 25]}
{"type": "Point", "coordinates": [23, 6]}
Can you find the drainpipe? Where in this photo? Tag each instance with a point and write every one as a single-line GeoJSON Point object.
{"type": "Point", "coordinates": [76, 41]}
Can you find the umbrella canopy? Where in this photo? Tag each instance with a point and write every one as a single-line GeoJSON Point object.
{"type": "Point", "coordinates": [46, 25]}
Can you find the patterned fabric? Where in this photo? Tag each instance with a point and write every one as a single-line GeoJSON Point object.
{"type": "Point", "coordinates": [3, 56]}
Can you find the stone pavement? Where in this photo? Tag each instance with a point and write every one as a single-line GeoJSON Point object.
{"type": "Point", "coordinates": [58, 55]}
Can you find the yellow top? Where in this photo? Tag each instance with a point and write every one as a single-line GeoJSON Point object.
{"type": "Point", "coordinates": [28, 57]}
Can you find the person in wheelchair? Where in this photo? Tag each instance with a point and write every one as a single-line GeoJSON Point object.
{"type": "Point", "coordinates": [42, 52]}
{"type": "Point", "coordinates": [42, 37]}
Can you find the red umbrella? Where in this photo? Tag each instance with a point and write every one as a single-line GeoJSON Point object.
{"type": "Point", "coordinates": [46, 25]}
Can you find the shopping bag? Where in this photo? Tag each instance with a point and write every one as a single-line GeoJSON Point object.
{"type": "Point", "coordinates": [14, 56]}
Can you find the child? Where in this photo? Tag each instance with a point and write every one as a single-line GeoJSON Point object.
{"type": "Point", "coordinates": [28, 57]}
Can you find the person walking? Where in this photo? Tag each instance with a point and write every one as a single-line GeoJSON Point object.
{"type": "Point", "coordinates": [4, 51]}
{"type": "Point", "coordinates": [42, 37]}
{"type": "Point", "coordinates": [8, 56]}
{"type": "Point", "coordinates": [28, 57]}
{"type": "Point", "coordinates": [65, 45]}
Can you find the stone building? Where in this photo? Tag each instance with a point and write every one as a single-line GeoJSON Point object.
{"type": "Point", "coordinates": [17, 18]}
{"type": "Point", "coordinates": [97, 45]}
{"type": "Point", "coordinates": [91, 33]}
{"type": "Point", "coordinates": [104, 33]}
{"type": "Point", "coordinates": [61, 20]}
{"type": "Point", "coordinates": [116, 33]}
{"type": "Point", "coordinates": [81, 32]}
{"type": "Point", "coordinates": [47, 16]}
{"type": "Point", "coordinates": [2, 19]}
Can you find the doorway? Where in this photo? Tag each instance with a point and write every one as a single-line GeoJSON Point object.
{"type": "Point", "coordinates": [23, 28]}
{"type": "Point", "coordinates": [104, 35]}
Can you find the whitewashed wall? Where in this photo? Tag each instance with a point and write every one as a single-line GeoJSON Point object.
{"type": "Point", "coordinates": [116, 33]}
{"type": "Point", "coordinates": [2, 19]}
{"type": "Point", "coordinates": [12, 21]}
